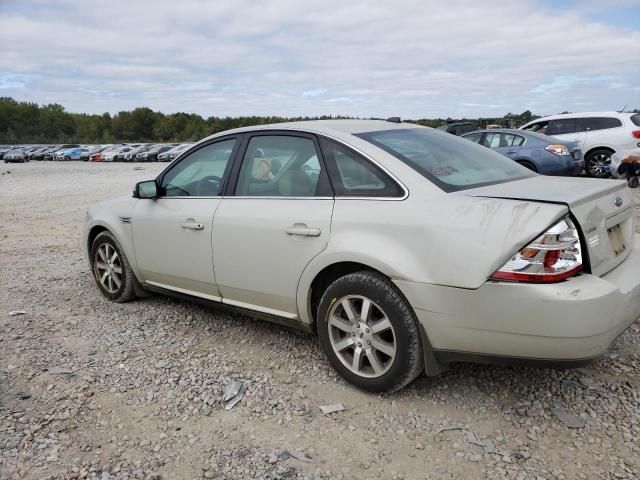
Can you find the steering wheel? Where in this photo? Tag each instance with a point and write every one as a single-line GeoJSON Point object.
{"type": "Point", "coordinates": [209, 185]}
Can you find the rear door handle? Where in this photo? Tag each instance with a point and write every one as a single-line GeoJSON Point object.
{"type": "Point", "coordinates": [192, 225]}
{"type": "Point", "coordinates": [511, 151]}
{"type": "Point", "coordinates": [303, 231]}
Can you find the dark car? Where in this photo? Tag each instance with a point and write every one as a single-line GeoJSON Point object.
{"type": "Point", "coordinates": [40, 154]}
{"type": "Point", "coordinates": [151, 155]}
{"type": "Point", "coordinates": [15, 155]}
{"type": "Point", "coordinates": [458, 128]}
{"type": "Point", "coordinates": [540, 153]}
{"type": "Point", "coordinates": [131, 155]}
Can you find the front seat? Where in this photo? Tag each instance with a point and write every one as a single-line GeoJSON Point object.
{"type": "Point", "coordinates": [296, 183]}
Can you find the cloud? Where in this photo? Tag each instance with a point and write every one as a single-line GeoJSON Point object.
{"type": "Point", "coordinates": [14, 80]}
{"type": "Point", "coordinates": [314, 93]}
{"type": "Point", "coordinates": [283, 57]}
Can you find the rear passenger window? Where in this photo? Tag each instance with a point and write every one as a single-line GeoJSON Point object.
{"type": "Point", "coordinates": [474, 137]}
{"type": "Point", "coordinates": [600, 123]}
{"type": "Point", "coordinates": [562, 126]}
{"type": "Point", "coordinates": [353, 175]}
{"type": "Point", "coordinates": [518, 141]}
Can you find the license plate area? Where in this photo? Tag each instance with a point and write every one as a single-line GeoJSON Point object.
{"type": "Point", "coordinates": [616, 239]}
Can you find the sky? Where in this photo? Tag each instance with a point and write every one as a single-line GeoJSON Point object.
{"type": "Point", "coordinates": [408, 58]}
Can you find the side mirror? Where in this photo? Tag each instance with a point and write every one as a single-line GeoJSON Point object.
{"type": "Point", "coordinates": [147, 189]}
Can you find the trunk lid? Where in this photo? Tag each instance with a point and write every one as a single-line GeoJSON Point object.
{"type": "Point", "coordinates": [602, 208]}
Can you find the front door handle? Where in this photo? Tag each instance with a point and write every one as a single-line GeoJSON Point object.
{"type": "Point", "coordinates": [192, 225]}
{"type": "Point", "coordinates": [303, 230]}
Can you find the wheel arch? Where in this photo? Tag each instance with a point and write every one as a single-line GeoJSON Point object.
{"type": "Point", "coordinates": [521, 161]}
{"type": "Point", "coordinates": [93, 233]}
{"type": "Point", "coordinates": [326, 277]}
{"type": "Point", "coordinates": [331, 272]}
{"type": "Point", "coordinates": [601, 147]}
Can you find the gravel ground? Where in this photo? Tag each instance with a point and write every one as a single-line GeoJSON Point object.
{"type": "Point", "coordinates": [92, 389]}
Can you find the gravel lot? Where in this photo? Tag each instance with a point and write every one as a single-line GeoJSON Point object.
{"type": "Point", "coordinates": [92, 389]}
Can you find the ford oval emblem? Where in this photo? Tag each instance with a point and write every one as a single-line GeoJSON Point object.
{"type": "Point", "coordinates": [617, 200]}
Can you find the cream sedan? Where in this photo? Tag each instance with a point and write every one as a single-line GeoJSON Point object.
{"type": "Point", "coordinates": [403, 248]}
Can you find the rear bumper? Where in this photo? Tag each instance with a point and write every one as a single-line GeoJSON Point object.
{"type": "Point", "coordinates": [573, 320]}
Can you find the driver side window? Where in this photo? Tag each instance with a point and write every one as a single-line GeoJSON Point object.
{"type": "Point", "coordinates": [200, 173]}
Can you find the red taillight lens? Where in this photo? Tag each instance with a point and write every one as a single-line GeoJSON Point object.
{"type": "Point", "coordinates": [636, 134]}
{"type": "Point", "coordinates": [553, 256]}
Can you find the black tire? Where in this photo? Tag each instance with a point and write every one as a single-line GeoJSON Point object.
{"type": "Point", "coordinates": [528, 165]}
{"type": "Point", "coordinates": [594, 161]}
{"type": "Point", "coordinates": [126, 290]}
{"type": "Point", "coordinates": [407, 363]}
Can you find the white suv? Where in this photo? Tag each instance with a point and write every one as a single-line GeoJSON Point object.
{"type": "Point", "coordinates": [600, 134]}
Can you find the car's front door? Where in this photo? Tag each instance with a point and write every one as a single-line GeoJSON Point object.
{"type": "Point", "coordinates": [172, 234]}
{"type": "Point", "coordinates": [275, 220]}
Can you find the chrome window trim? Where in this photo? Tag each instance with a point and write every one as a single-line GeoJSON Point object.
{"type": "Point", "coordinates": [251, 197]}
{"type": "Point", "coordinates": [376, 163]}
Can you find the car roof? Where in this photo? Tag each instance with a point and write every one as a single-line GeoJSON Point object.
{"type": "Point", "coordinates": [327, 127]}
{"type": "Point", "coordinates": [581, 115]}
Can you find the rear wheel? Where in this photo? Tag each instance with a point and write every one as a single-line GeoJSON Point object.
{"type": "Point", "coordinates": [597, 164]}
{"type": "Point", "coordinates": [369, 332]}
{"type": "Point", "coordinates": [111, 269]}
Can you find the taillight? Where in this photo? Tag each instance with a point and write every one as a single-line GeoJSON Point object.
{"type": "Point", "coordinates": [636, 134]}
{"type": "Point", "coordinates": [553, 256]}
{"type": "Point", "coordinates": [557, 149]}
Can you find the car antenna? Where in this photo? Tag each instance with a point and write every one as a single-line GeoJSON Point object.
{"type": "Point", "coordinates": [394, 119]}
{"type": "Point", "coordinates": [623, 109]}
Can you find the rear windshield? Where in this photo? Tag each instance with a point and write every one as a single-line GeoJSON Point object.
{"type": "Point", "coordinates": [636, 119]}
{"type": "Point", "coordinates": [452, 163]}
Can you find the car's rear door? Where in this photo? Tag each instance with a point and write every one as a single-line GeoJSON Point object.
{"type": "Point", "coordinates": [274, 220]}
{"type": "Point", "coordinates": [568, 129]}
{"type": "Point", "coordinates": [172, 234]}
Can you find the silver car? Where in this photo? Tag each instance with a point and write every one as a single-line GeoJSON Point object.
{"type": "Point", "coordinates": [402, 247]}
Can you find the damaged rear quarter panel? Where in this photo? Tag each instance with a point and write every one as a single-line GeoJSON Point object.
{"type": "Point", "coordinates": [445, 239]}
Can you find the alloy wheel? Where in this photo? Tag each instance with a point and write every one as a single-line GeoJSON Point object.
{"type": "Point", "coordinates": [599, 164]}
{"type": "Point", "coordinates": [108, 267]}
{"type": "Point", "coordinates": [362, 336]}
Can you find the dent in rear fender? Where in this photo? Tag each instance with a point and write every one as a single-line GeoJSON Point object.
{"type": "Point", "coordinates": [448, 239]}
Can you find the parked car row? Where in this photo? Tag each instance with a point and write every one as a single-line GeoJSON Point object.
{"type": "Point", "coordinates": [563, 144]}
{"type": "Point", "coordinates": [134, 152]}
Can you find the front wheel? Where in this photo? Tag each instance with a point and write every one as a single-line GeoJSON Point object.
{"type": "Point", "coordinates": [111, 269]}
{"type": "Point", "coordinates": [369, 332]}
{"type": "Point", "coordinates": [598, 163]}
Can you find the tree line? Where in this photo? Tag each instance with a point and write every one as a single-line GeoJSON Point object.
{"type": "Point", "coordinates": [28, 122]}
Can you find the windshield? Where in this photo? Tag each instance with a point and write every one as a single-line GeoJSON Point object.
{"type": "Point", "coordinates": [450, 162]}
